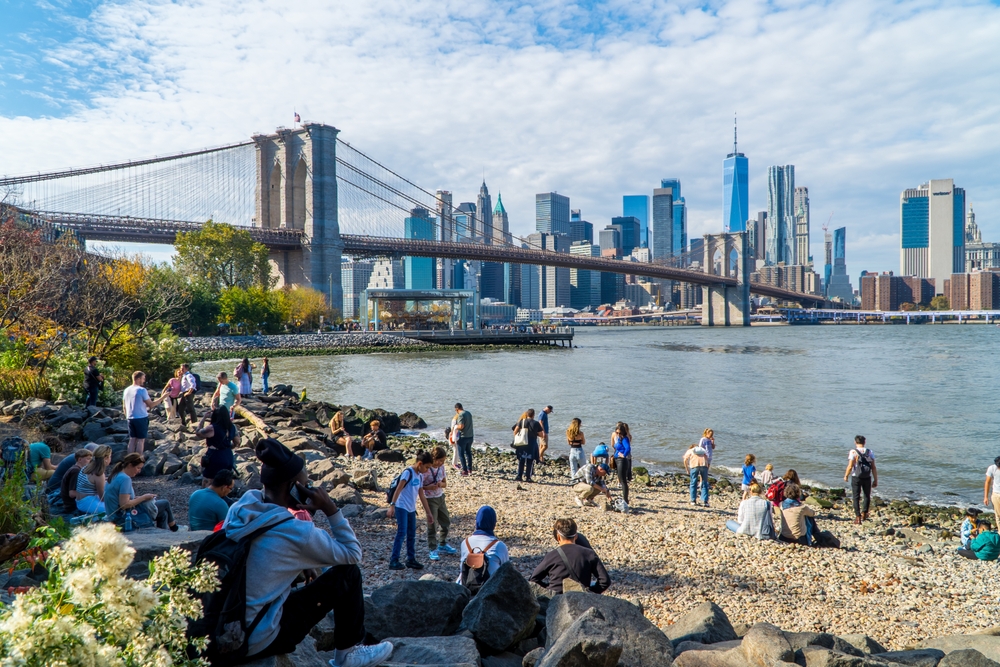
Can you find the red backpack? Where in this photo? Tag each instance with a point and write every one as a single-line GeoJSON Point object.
{"type": "Point", "coordinates": [776, 492]}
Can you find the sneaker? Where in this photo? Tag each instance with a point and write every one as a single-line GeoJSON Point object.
{"type": "Point", "coordinates": [694, 502]}
{"type": "Point", "coordinates": [579, 503]}
{"type": "Point", "coordinates": [414, 565]}
{"type": "Point", "coordinates": [366, 656]}
{"type": "Point", "coordinates": [465, 473]}
{"type": "Point", "coordinates": [518, 479]}
{"type": "Point", "coordinates": [396, 565]}
{"type": "Point", "coordinates": [448, 549]}
{"type": "Point", "coordinates": [434, 555]}
{"type": "Point", "coordinates": [591, 503]}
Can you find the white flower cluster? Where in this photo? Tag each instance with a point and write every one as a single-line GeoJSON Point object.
{"type": "Point", "coordinates": [89, 614]}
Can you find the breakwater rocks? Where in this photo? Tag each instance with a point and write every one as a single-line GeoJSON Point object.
{"type": "Point", "coordinates": [304, 343]}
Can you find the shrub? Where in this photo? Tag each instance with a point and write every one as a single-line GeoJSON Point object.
{"type": "Point", "coordinates": [89, 613]}
{"type": "Point", "coordinates": [16, 508]}
{"type": "Point", "coordinates": [65, 377]}
{"type": "Point", "coordinates": [16, 384]}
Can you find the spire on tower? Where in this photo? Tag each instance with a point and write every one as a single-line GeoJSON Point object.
{"type": "Point", "coordinates": [734, 133]}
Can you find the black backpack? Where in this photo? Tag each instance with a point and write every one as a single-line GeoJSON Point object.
{"type": "Point", "coordinates": [863, 463]}
{"type": "Point", "coordinates": [391, 491]}
{"type": "Point", "coordinates": [225, 610]}
{"type": "Point", "coordinates": [476, 567]}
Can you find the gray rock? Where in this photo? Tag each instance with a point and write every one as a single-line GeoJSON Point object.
{"type": "Point", "coordinates": [643, 644]}
{"type": "Point", "coordinates": [816, 656]}
{"type": "Point", "coordinates": [305, 655]}
{"type": "Point", "coordinates": [322, 632]}
{"type": "Point", "coordinates": [351, 511]}
{"type": "Point", "coordinates": [503, 611]}
{"type": "Point", "coordinates": [590, 641]}
{"type": "Point", "coordinates": [390, 456]}
{"type": "Point", "coordinates": [532, 657]}
{"type": "Point", "coordinates": [319, 467]}
{"type": "Point", "coordinates": [706, 623]}
{"type": "Point", "coordinates": [93, 431]}
{"type": "Point", "coordinates": [152, 542]}
{"type": "Point", "coordinates": [336, 478]}
{"type": "Point", "coordinates": [764, 645]}
{"type": "Point", "coordinates": [863, 643]}
{"type": "Point", "coordinates": [169, 464]}
{"type": "Point", "coordinates": [502, 660]}
{"type": "Point", "coordinates": [70, 431]}
{"type": "Point", "coordinates": [799, 640]}
{"type": "Point", "coordinates": [365, 479]}
{"type": "Point", "coordinates": [21, 580]}
{"type": "Point", "coordinates": [389, 609]}
{"type": "Point", "coordinates": [698, 646]}
{"type": "Point", "coordinates": [925, 657]}
{"type": "Point", "coordinates": [345, 495]}
{"type": "Point", "coordinates": [988, 645]}
{"type": "Point", "coordinates": [968, 657]}
{"type": "Point", "coordinates": [433, 651]}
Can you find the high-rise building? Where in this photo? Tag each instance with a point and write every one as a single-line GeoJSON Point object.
{"type": "Point", "coordinates": [972, 234]}
{"type": "Point", "coordinates": [828, 261]}
{"type": "Point", "coordinates": [464, 219]}
{"type": "Point", "coordinates": [611, 241]}
{"type": "Point", "coordinates": [491, 280]}
{"type": "Point", "coordinates": [484, 207]}
{"type": "Point", "coordinates": [580, 229]}
{"type": "Point", "coordinates": [584, 285]}
{"type": "Point", "coordinates": [446, 229]}
{"type": "Point", "coordinates": [553, 281]}
{"type": "Point", "coordinates": [420, 271]}
{"type": "Point", "coordinates": [756, 228]}
{"type": "Point", "coordinates": [552, 213]}
{"type": "Point", "coordinates": [387, 274]}
{"type": "Point", "coordinates": [630, 231]}
{"type": "Point", "coordinates": [501, 224]}
{"type": "Point", "coordinates": [779, 234]}
{"type": "Point", "coordinates": [680, 231]}
{"type": "Point", "coordinates": [354, 276]}
{"type": "Point", "coordinates": [978, 255]}
{"type": "Point", "coordinates": [661, 227]}
{"type": "Point", "coordinates": [530, 280]}
{"type": "Point", "coordinates": [735, 189]}
{"type": "Point", "coordinates": [932, 231]}
{"type": "Point", "coordinates": [802, 226]}
{"type": "Point", "coordinates": [637, 206]}
{"type": "Point", "coordinates": [838, 284]}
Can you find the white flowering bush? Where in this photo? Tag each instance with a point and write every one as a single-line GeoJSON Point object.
{"type": "Point", "coordinates": [89, 614]}
{"type": "Point", "coordinates": [65, 376]}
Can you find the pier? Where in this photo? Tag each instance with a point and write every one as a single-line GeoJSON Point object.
{"type": "Point", "coordinates": [554, 337]}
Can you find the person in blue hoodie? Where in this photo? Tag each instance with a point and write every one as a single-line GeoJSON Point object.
{"type": "Point", "coordinates": [294, 548]}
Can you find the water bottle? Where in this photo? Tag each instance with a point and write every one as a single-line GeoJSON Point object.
{"type": "Point", "coordinates": [128, 522]}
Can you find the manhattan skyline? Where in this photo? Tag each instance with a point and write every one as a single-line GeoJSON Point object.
{"type": "Point", "coordinates": [585, 111]}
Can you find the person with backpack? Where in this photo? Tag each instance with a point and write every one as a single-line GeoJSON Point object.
{"type": "Point", "coordinates": [278, 614]}
{"type": "Point", "coordinates": [864, 477]}
{"type": "Point", "coordinates": [570, 562]}
{"type": "Point", "coordinates": [776, 491]}
{"type": "Point", "coordinates": [435, 482]}
{"type": "Point", "coordinates": [404, 492]}
{"type": "Point", "coordinates": [482, 552]}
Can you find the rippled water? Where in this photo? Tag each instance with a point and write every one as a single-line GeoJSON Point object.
{"type": "Point", "coordinates": [925, 396]}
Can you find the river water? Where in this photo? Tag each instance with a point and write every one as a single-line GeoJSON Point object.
{"type": "Point", "coordinates": [924, 396]}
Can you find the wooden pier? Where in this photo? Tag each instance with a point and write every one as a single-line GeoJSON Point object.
{"type": "Point", "coordinates": [553, 337]}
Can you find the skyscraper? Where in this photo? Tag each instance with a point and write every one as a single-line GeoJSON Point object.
{"type": "Point", "coordinates": [580, 229]}
{"type": "Point", "coordinates": [680, 230]}
{"type": "Point", "coordinates": [630, 231]}
{"type": "Point", "coordinates": [756, 229]}
{"type": "Point", "coordinates": [584, 285]}
{"type": "Point", "coordinates": [464, 218]}
{"type": "Point", "coordinates": [445, 212]}
{"type": "Point", "coordinates": [553, 281]}
{"type": "Point", "coordinates": [932, 231]}
{"type": "Point", "coordinates": [484, 207]}
{"type": "Point", "coordinates": [735, 189]}
{"type": "Point", "coordinates": [419, 271]}
{"type": "Point", "coordinates": [802, 226]}
{"type": "Point", "coordinates": [501, 224]}
{"type": "Point", "coordinates": [779, 235]}
{"type": "Point", "coordinates": [661, 228]}
{"type": "Point", "coordinates": [552, 213]}
{"type": "Point", "coordinates": [354, 276]}
{"type": "Point", "coordinates": [828, 264]}
{"type": "Point", "coordinates": [839, 282]}
{"type": "Point", "coordinates": [637, 206]}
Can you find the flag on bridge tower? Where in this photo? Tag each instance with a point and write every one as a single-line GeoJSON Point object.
{"type": "Point", "coordinates": [297, 118]}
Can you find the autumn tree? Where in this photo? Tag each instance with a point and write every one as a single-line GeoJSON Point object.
{"type": "Point", "coordinates": [224, 256]}
{"type": "Point", "coordinates": [304, 306]}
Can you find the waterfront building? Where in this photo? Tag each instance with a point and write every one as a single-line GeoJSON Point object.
{"type": "Point", "coordinates": [735, 189]}
{"type": "Point", "coordinates": [528, 315]}
{"type": "Point", "coordinates": [793, 277]}
{"type": "Point", "coordinates": [580, 229]}
{"type": "Point", "coordinates": [630, 231]}
{"type": "Point", "coordinates": [484, 206]}
{"type": "Point", "coordinates": [779, 233]}
{"type": "Point", "coordinates": [802, 255]}
{"type": "Point", "coordinates": [584, 285]}
{"type": "Point", "coordinates": [885, 291]}
{"type": "Point", "coordinates": [497, 312]}
{"type": "Point", "coordinates": [932, 230]}
{"type": "Point", "coordinates": [838, 284]}
{"type": "Point", "coordinates": [661, 228]}
{"type": "Point", "coordinates": [420, 271]}
{"type": "Point", "coordinates": [979, 290]}
{"type": "Point", "coordinates": [354, 276]}
{"type": "Point", "coordinates": [552, 213]}
{"type": "Point", "coordinates": [637, 206]}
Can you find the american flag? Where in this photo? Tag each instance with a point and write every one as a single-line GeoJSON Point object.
{"type": "Point", "coordinates": [297, 118]}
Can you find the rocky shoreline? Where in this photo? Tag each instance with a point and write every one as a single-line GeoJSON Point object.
{"type": "Point", "coordinates": [896, 578]}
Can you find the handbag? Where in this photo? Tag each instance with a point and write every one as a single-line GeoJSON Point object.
{"type": "Point", "coordinates": [521, 437]}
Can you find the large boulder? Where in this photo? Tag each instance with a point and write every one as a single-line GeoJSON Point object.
{"type": "Point", "coordinates": [863, 643]}
{"type": "Point", "coordinates": [450, 651]}
{"type": "Point", "coordinates": [415, 609]}
{"type": "Point", "coordinates": [390, 456]}
{"type": "Point", "coordinates": [357, 419]}
{"type": "Point", "coordinates": [411, 420]}
{"type": "Point", "coordinates": [706, 623]}
{"type": "Point", "coordinates": [764, 645]}
{"type": "Point", "coordinates": [92, 431]}
{"type": "Point", "coordinates": [988, 645]}
{"type": "Point", "coordinates": [70, 431]}
{"type": "Point", "coordinates": [799, 640]}
{"type": "Point", "coordinates": [503, 611]}
{"type": "Point", "coordinates": [365, 479]}
{"type": "Point", "coordinates": [968, 657]}
{"type": "Point", "coordinates": [643, 644]}
{"type": "Point", "coordinates": [589, 641]}
{"type": "Point", "coordinates": [345, 495]}
{"type": "Point", "coordinates": [924, 657]}
{"type": "Point", "coordinates": [817, 656]}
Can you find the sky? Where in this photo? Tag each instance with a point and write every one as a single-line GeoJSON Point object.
{"type": "Point", "coordinates": [590, 99]}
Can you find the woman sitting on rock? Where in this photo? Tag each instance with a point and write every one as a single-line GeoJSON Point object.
{"type": "Point", "coordinates": [90, 482]}
{"type": "Point", "coordinates": [120, 498]}
{"type": "Point", "coordinates": [340, 436]}
{"type": "Point", "coordinates": [754, 516]}
{"type": "Point", "coordinates": [221, 437]}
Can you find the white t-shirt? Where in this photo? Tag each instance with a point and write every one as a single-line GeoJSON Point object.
{"type": "Point", "coordinates": [994, 472]}
{"type": "Point", "coordinates": [133, 402]}
{"type": "Point", "coordinates": [853, 456]}
{"type": "Point", "coordinates": [407, 499]}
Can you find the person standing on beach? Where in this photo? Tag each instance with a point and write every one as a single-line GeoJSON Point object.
{"type": "Point", "coordinates": [528, 454]}
{"type": "Point", "coordinates": [864, 477]}
{"type": "Point", "coordinates": [265, 373]}
{"type": "Point", "coordinates": [576, 440]}
{"type": "Point", "coordinates": [749, 469]}
{"type": "Point", "coordinates": [136, 404]}
{"type": "Point", "coordinates": [543, 444]}
{"type": "Point", "coordinates": [707, 443]}
{"type": "Point", "coordinates": [621, 440]}
{"type": "Point", "coordinates": [463, 424]}
{"type": "Point", "coordinates": [435, 482]}
{"type": "Point", "coordinates": [188, 388]}
{"type": "Point", "coordinates": [227, 393]}
{"type": "Point", "coordinates": [92, 381]}
{"type": "Point", "coordinates": [696, 464]}
{"type": "Point", "coordinates": [991, 490]}
{"type": "Point", "coordinates": [404, 509]}
{"type": "Point", "coordinates": [244, 375]}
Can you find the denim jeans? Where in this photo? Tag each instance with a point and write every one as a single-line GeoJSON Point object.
{"type": "Point", "coordinates": [733, 525]}
{"type": "Point", "coordinates": [406, 526]}
{"type": "Point", "coordinates": [577, 459]}
{"type": "Point", "coordinates": [696, 473]}
{"type": "Point", "coordinates": [465, 453]}
{"type": "Point", "coordinates": [264, 378]}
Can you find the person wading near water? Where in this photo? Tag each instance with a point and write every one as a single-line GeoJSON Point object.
{"type": "Point", "coordinates": [864, 477]}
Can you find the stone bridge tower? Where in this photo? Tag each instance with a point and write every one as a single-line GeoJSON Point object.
{"type": "Point", "coordinates": [297, 189]}
{"type": "Point", "coordinates": [726, 305]}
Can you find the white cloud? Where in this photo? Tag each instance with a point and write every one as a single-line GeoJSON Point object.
{"type": "Point", "coordinates": [863, 98]}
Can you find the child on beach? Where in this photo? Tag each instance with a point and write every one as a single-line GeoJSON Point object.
{"type": "Point", "coordinates": [767, 476]}
{"type": "Point", "coordinates": [749, 469]}
{"type": "Point", "coordinates": [969, 526]}
{"type": "Point", "coordinates": [435, 482]}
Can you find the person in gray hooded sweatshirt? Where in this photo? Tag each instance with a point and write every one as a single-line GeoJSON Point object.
{"type": "Point", "coordinates": [293, 548]}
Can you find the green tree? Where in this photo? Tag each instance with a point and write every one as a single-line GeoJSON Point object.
{"type": "Point", "coordinates": [940, 302]}
{"type": "Point", "coordinates": [224, 256]}
{"type": "Point", "coordinates": [251, 309]}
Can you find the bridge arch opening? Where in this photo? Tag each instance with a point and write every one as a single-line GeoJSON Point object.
{"type": "Point", "coordinates": [299, 195]}
{"type": "Point", "coordinates": [718, 263]}
{"type": "Point", "coordinates": [274, 197]}
{"type": "Point", "coordinates": [734, 263]}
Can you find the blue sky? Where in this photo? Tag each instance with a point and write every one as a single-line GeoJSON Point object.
{"type": "Point", "coordinates": [590, 99]}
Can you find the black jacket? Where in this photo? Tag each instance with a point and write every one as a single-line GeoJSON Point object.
{"type": "Point", "coordinates": [585, 567]}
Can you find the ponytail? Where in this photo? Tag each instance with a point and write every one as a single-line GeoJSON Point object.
{"type": "Point", "coordinates": [128, 460]}
{"type": "Point", "coordinates": [424, 457]}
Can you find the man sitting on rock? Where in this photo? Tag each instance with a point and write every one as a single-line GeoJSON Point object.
{"type": "Point", "coordinates": [591, 483]}
{"type": "Point", "coordinates": [374, 440]}
{"type": "Point", "coordinates": [281, 554]}
{"type": "Point", "coordinates": [207, 508]}
{"type": "Point", "coordinates": [570, 567]}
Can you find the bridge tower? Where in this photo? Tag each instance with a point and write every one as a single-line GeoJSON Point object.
{"type": "Point", "coordinates": [296, 188]}
{"type": "Point", "coordinates": [726, 305]}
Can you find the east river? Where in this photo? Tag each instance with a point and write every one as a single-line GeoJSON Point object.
{"type": "Point", "coordinates": [924, 396]}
